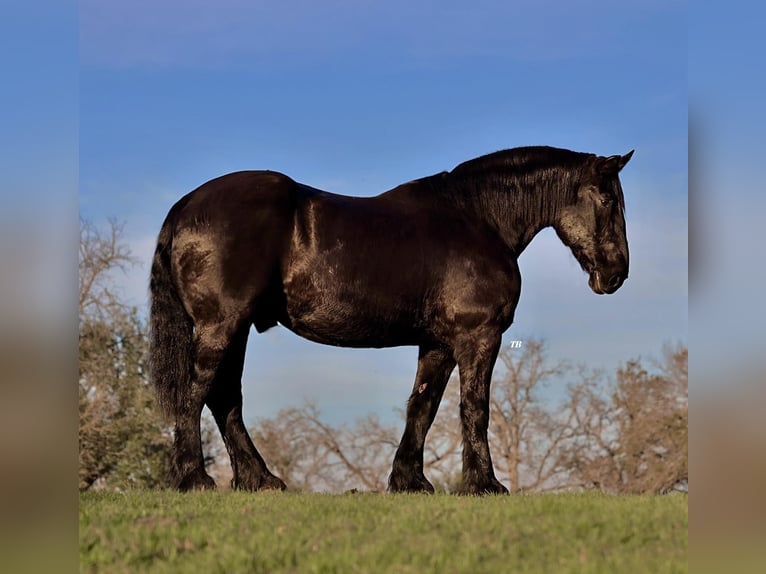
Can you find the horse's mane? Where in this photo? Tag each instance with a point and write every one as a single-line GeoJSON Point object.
{"type": "Point", "coordinates": [531, 182]}
{"type": "Point", "coordinates": [524, 160]}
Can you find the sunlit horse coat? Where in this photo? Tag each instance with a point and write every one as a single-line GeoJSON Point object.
{"type": "Point", "coordinates": [431, 263]}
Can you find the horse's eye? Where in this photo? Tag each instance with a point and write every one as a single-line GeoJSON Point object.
{"type": "Point", "coordinates": [606, 200]}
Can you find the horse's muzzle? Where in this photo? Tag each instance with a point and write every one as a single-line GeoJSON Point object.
{"type": "Point", "coordinates": [601, 287]}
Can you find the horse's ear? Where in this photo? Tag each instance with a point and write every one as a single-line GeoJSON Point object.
{"type": "Point", "coordinates": [613, 164]}
{"type": "Point", "coordinates": [625, 159]}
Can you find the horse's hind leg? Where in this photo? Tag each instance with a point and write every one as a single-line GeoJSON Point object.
{"type": "Point", "coordinates": [434, 369]}
{"type": "Point", "coordinates": [225, 402]}
{"type": "Point", "coordinates": [189, 473]}
{"type": "Point", "coordinates": [214, 342]}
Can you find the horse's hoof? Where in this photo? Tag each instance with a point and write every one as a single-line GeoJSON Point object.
{"type": "Point", "coordinates": [490, 486]}
{"type": "Point", "coordinates": [412, 483]}
{"type": "Point", "coordinates": [263, 482]}
{"type": "Point", "coordinates": [271, 482]}
{"type": "Point", "coordinates": [196, 480]}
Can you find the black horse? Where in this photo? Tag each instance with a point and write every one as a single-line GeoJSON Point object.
{"type": "Point", "coordinates": [432, 263]}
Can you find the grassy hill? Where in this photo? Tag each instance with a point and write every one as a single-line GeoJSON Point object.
{"type": "Point", "coordinates": [161, 531]}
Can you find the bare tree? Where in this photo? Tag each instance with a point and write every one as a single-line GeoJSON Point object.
{"type": "Point", "coordinates": [631, 436]}
{"type": "Point", "coordinates": [590, 450]}
{"type": "Point", "coordinates": [310, 454]}
{"type": "Point", "coordinates": [524, 434]}
{"type": "Point", "coordinates": [101, 254]}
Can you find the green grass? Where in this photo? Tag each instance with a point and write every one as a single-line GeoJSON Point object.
{"type": "Point", "coordinates": [283, 532]}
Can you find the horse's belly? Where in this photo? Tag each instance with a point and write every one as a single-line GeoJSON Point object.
{"type": "Point", "coordinates": [341, 336]}
{"type": "Point", "coordinates": [345, 321]}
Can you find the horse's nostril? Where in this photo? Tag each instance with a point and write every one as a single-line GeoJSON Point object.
{"type": "Point", "coordinates": [615, 281]}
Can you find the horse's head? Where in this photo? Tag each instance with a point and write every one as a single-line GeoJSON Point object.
{"type": "Point", "coordinates": [594, 225]}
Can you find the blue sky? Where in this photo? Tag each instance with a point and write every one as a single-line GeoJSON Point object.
{"type": "Point", "coordinates": [356, 97]}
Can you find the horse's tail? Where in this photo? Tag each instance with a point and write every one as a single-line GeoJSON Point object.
{"type": "Point", "coordinates": [171, 329]}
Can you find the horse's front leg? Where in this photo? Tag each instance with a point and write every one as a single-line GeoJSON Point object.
{"type": "Point", "coordinates": [435, 365]}
{"type": "Point", "coordinates": [476, 357]}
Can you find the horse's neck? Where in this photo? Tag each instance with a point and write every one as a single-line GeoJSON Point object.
{"type": "Point", "coordinates": [523, 239]}
{"type": "Point", "coordinates": [516, 215]}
